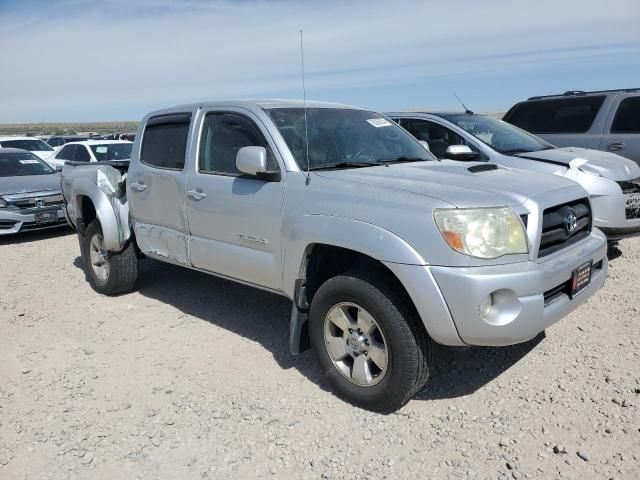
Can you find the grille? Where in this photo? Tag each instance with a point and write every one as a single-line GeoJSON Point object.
{"type": "Point", "coordinates": [631, 191]}
{"type": "Point", "coordinates": [7, 224]}
{"type": "Point", "coordinates": [556, 222]}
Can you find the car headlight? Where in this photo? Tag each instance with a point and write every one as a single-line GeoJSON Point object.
{"type": "Point", "coordinates": [2, 202]}
{"type": "Point", "coordinates": [482, 232]}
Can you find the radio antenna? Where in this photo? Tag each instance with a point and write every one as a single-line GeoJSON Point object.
{"type": "Point", "coordinates": [304, 99]}
{"type": "Point", "coordinates": [466, 110]}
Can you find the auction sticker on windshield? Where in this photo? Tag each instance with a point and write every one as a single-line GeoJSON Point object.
{"type": "Point", "coordinates": [379, 122]}
{"type": "Point", "coordinates": [101, 149]}
{"type": "Point", "coordinates": [27, 162]}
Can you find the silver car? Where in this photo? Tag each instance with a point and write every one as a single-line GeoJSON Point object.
{"type": "Point", "coordinates": [612, 181]}
{"type": "Point", "coordinates": [30, 196]}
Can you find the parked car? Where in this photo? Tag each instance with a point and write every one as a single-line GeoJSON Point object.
{"type": "Point", "coordinates": [91, 151]}
{"type": "Point", "coordinates": [380, 247]}
{"type": "Point", "coordinates": [56, 141]}
{"type": "Point", "coordinates": [606, 120]}
{"type": "Point", "coordinates": [34, 145]}
{"type": "Point", "coordinates": [613, 182]}
{"type": "Point", "coordinates": [30, 196]}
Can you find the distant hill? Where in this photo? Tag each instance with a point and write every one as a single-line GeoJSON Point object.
{"type": "Point", "coordinates": [69, 128]}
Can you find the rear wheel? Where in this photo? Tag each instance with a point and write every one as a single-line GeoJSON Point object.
{"type": "Point", "coordinates": [369, 342]}
{"type": "Point", "coordinates": [109, 273]}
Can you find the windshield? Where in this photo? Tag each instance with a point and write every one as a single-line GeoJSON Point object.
{"type": "Point", "coordinates": [499, 135]}
{"type": "Point", "coordinates": [112, 151]}
{"type": "Point", "coordinates": [18, 164]}
{"type": "Point", "coordinates": [33, 145]}
{"type": "Point", "coordinates": [345, 138]}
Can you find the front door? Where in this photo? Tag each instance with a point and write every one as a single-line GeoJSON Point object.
{"type": "Point", "coordinates": [623, 137]}
{"type": "Point", "coordinates": [234, 220]}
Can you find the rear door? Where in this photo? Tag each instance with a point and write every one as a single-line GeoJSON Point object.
{"type": "Point", "coordinates": [155, 188]}
{"type": "Point", "coordinates": [235, 221]}
{"type": "Point", "coordinates": [623, 127]}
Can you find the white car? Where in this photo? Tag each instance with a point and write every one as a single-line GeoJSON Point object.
{"type": "Point", "coordinates": [91, 151]}
{"type": "Point", "coordinates": [32, 144]}
{"type": "Point", "coordinates": [612, 181]}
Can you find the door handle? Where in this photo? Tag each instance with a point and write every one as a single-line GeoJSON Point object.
{"type": "Point", "coordinates": [138, 187]}
{"type": "Point", "coordinates": [616, 146]}
{"type": "Point", "coordinates": [196, 195]}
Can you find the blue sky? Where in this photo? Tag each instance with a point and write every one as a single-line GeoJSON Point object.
{"type": "Point", "coordinates": [80, 60]}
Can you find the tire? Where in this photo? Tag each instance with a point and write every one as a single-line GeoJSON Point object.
{"type": "Point", "coordinates": [121, 267]}
{"type": "Point", "coordinates": [407, 345]}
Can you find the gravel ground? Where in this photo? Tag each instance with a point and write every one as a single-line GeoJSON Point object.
{"type": "Point", "coordinates": [189, 377]}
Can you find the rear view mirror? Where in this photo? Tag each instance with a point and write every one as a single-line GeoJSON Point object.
{"type": "Point", "coordinates": [253, 161]}
{"type": "Point", "coordinates": [460, 152]}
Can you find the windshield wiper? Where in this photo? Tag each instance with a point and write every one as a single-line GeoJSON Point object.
{"type": "Point", "coordinates": [327, 166]}
{"type": "Point", "coordinates": [515, 150]}
{"type": "Point", "coordinates": [400, 159]}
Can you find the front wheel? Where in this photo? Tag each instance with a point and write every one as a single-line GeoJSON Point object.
{"type": "Point", "coordinates": [109, 273]}
{"type": "Point", "coordinates": [369, 341]}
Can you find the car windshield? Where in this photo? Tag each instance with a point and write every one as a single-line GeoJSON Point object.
{"type": "Point", "coordinates": [33, 145]}
{"type": "Point", "coordinates": [18, 164]}
{"type": "Point", "coordinates": [501, 136]}
{"type": "Point", "coordinates": [344, 138]}
{"type": "Point", "coordinates": [112, 151]}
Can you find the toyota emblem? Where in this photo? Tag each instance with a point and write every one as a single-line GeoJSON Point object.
{"type": "Point", "coordinates": [40, 202]}
{"type": "Point", "coordinates": [570, 222]}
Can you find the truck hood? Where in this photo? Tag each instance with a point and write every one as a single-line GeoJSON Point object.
{"type": "Point", "coordinates": [29, 183]}
{"type": "Point", "coordinates": [606, 164]}
{"type": "Point", "coordinates": [453, 182]}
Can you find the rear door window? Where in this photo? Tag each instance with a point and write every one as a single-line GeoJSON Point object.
{"type": "Point", "coordinates": [81, 154]}
{"type": "Point", "coordinates": [562, 115]}
{"type": "Point", "coordinates": [164, 141]}
{"type": "Point", "coordinates": [627, 119]}
{"type": "Point", "coordinates": [66, 152]}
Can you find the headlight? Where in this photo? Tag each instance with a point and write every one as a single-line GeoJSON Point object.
{"type": "Point", "coordinates": [2, 203]}
{"type": "Point", "coordinates": [482, 232]}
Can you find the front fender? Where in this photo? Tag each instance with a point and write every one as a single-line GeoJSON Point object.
{"type": "Point", "coordinates": [111, 212]}
{"type": "Point", "coordinates": [357, 235]}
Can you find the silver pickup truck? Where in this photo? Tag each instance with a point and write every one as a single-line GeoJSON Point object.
{"type": "Point", "coordinates": [381, 248]}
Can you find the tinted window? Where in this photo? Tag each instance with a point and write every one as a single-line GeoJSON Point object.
{"type": "Point", "coordinates": [343, 136]}
{"type": "Point", "coordinates": [499, 135]}
{"type": "Point", "coordinates": [563, 115]}
{"type": "Point", "coordinates": [627, 119]}
{"type": "Point", "coordinates": [437, 136]}
{"type": "Point", "coordinates": [34, 145]}
{"type": "Point", "coordinates": [16, 164]}
{"type": "Point", "coordinates": [66, 152]}
{"type": "Point", "coordinates": [223, 135]}
{"type": "Point", "coordinates": [164, 145]}
{"type": "Point", "coordinates": [112, 151]}
{"type": "Point", "coordinates": [55, 142]}
{"type": "Point", "coordinates": [81, 154]}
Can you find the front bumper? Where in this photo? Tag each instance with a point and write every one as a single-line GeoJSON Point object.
{"type": "Point", "coordinates": [609, 215]}
{"type": "Point", "coordinates": [530, 296]}
{"type": "Point", "coordinates": [14, 221]}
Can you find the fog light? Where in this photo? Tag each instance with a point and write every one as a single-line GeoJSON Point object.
{"type": "Point", "coordinates": [485, 306]}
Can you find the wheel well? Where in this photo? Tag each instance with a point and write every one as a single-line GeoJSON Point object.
{"type": "Point", "coordinates": [86, 214]}
{"type": "Point", "coordinates": [326, 261]}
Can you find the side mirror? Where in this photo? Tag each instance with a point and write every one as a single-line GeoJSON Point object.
{"type": "Point", "coordinates": [460, 152]}
{"type": "Point", "coordinates": [425, 145]}
{"type": "Point", "coordinates": [253, 161]}
{"type": "Point", "coordinates": [58, 168]}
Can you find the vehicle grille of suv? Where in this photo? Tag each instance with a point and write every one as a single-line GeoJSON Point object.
{"type": "Point", "coordinates": [564, 225]}
{"type": "Point", "coordinates": [628, 188]}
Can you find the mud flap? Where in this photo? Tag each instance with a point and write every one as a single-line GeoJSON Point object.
{"type": "Point", "coordinates": [299, 327]}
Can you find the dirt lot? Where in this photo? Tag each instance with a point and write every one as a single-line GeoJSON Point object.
{"type": "Point", "coordinates": [189, 377]}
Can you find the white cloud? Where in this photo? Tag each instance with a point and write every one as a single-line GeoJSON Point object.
{"type": "Point", "coordinates": [76, 56]}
